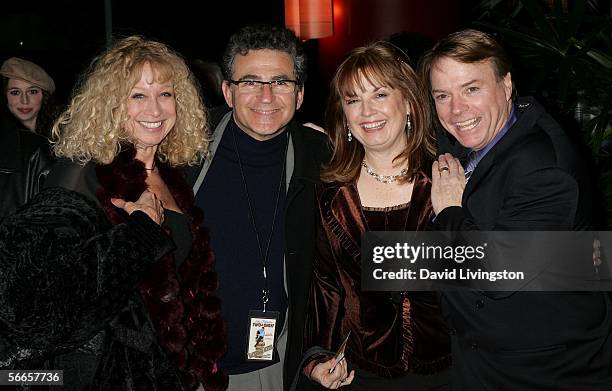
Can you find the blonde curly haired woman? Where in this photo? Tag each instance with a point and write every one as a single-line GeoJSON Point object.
{"type": "Point", "coordinates": [136, 316]}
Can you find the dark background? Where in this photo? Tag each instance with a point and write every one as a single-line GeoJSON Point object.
{"type": "Point", "coordinates": [63, 36]}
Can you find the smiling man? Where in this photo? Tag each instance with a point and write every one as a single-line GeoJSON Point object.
{"type": "Point", "coordinates": [521, 173]}
{"type": "Point", "coordinates": [257, 193]}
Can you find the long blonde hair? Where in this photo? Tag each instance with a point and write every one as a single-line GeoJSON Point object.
{"type": "Point", "coordinates": [92, 128]}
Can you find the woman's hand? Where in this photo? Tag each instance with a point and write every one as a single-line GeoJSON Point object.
{"type": "Point", "coordinates": [337, 378]}
{"type": "Point", "coordinates": [147, 203]}
{"type": "Point", "coordinates": [447, 182]}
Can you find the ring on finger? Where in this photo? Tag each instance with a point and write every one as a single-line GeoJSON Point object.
{"type": "Point", "coordinates": [443, 168]}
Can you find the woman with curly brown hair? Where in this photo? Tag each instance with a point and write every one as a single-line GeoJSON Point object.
{"type": "Point", "coordinates": [134, 120]}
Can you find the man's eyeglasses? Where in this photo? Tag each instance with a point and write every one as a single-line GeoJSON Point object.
{"type": "Point", "coordinates": [256, 86]}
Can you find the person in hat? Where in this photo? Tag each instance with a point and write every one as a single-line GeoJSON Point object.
{"type": "Point", "coordinates": [25, 158]}
{"type": "Point", "coordinates": [27, 90]}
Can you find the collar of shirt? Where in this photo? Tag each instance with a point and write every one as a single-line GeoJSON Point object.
{"type": "Point", "coordinates": [476, 156]}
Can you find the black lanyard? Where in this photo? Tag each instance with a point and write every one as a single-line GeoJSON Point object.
{"type": "Point", "coordinates": [264, 256]}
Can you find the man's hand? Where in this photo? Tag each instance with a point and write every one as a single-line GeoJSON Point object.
{"type": "Point", "coordinates": [447, 182]}
{"type": "Point", "coordinates": [147, 203]}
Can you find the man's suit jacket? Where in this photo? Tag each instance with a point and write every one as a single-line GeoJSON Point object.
{"type": "Point", "coordinates": [308, 149]}
{"type": "Point", "coordinates": [530, 180]}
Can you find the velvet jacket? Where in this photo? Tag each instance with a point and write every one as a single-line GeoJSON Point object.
{"type": "Point", "coordinates": [24, 162]}
{"type": "Point", "coordinates": [66, 274]}
{"type": "Point", "coordinates": [390, 336]}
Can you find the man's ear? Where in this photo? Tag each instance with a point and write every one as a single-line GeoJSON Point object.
{"type": "Point", "coordinates": [227, 93]}
{"type": "Point", "coordinates": [299, 98]}
{"type": "Point", "coordinates": [508, 86]}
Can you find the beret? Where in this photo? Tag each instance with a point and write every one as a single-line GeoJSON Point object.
{"type": "Point", "coordinates": [17, 68]}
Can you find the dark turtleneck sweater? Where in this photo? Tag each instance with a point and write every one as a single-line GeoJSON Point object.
{"type": "Point", "coordinates": [233, 239]}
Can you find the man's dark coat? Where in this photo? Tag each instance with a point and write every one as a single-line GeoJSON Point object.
{"type": "Point", "coordinates": [531, 180]}
{"type": "Point", "coordinates": [310, 150]}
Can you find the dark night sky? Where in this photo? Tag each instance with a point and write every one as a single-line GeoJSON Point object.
{"type": "Point", "coordinates": [64, 35]}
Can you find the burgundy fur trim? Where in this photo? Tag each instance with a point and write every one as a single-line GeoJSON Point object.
{"type": "Point", "coordinates": [187, 315]}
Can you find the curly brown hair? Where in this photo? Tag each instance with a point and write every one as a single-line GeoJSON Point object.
{"type": "Point", "coordinates": [92, 128]}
